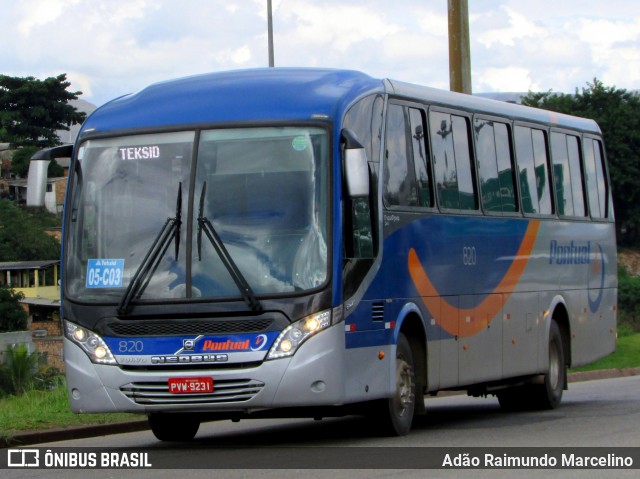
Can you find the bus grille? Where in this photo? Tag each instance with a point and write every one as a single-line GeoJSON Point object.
{"type": "Point", "coordinates": [176, 328]}
{"type": "Point", "coordinates": [224, 391]}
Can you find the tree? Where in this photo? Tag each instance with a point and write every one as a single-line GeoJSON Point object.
{"type": "Point", "coordinates": [32, 110]}
{"type": "Point", "coordinates": [12, 316]}
{"type": "Point", "coordinates": [22, 238]}
{"type": "Point", "coordinates": [617, 112]}
{"type": "Point", "coordinates": [21, 160]}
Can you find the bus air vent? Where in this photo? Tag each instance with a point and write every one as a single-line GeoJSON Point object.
{"type": "Point", "coordinates": [377, 311]}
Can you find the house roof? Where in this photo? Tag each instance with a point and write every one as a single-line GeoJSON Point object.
{"type": "Point", "coordinates": [54, 303]}
{"type": "Point", "coordinates": [13, 265]}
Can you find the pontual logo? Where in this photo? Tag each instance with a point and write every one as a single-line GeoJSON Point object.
{"type": "Point", "coordinates": [227, 345]}
{"type": "Point", "coordinates": [569, 253]}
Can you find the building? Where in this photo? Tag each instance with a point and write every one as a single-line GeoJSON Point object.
{"type": "Point", "coordinates": [16, 190]}
{"type": "Point", "coordinates": [38, 281]}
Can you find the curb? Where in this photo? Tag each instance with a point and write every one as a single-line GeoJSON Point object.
{"type": "Point", "coordinates": [73, 432]}
{"type": "Point", "coordinates": [81, 432]}
{"type": "Point", "coordinates": [603, 374]}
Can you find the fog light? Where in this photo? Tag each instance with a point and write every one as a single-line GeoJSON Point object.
{"type": "Point", "coordinates": [312, 325]}
{"type": "Point", "coordinates": [294, 335]}
{"type": "Point", "coordinates": [285, 346]}
{"type": "Point", "coordinates": [79, 334]}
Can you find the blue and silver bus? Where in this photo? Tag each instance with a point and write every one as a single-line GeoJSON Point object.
{"type": "Point", "coordinates": [315, 243]}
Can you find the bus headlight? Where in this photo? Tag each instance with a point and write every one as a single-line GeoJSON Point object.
{"type": "Point", "coordinates": [90, 342]}
{"type": "Point", "coordinates": [297, 333]}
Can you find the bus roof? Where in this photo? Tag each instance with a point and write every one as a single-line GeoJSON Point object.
{"type": "Point", "coordinates": [236, 96]}
{"type": "Point", "coordinates": [286, 94]}
{"type": "Point", "coordinates": [487, 106]}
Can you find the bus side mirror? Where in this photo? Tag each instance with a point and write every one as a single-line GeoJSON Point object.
{"type": "Point", "coordinates": [356, 167]}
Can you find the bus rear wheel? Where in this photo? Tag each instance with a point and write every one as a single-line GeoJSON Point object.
{"type": "Point", "coordinates": [395, 415]}
{"type": "Point", "coordinates": [547, 395]}
{"type": "Point", "coordinates": [174, 427]}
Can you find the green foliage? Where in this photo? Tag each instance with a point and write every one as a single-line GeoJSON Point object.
{"type": "Point", "coordinates": [47, 378]}
{"type": "Point", "coordinates": [39, 410]}
{"type": "Point", "coordinates": [32, 110]}
{"type": "Point", "coordinates": [628, 299]}
{"type": "Point", "coordinates": [21, 159]}
{"type": "Point", "coordinates": [626, 355]}
{"type": "Point", "coordinates": [12, 316]}
{"type": "Point", "coordinates": [21, 366]}
{"type": "Point", "coordinates": [55, 170]}
{"type": "Point", "coordinates": [5, 381]}
{"type": "Point", "coordinates": [41, 218]}
{"type": "Point", "coordinates": [44, 378]}
{"type": "Point", "coordinates": [22, 237]}
{"type": "Point", "coordinates": [617, 112]}
{"type": "Point", "coordinates": [625, 330]}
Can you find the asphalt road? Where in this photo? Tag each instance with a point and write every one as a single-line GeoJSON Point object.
{"type": "Point", "coordinates": [603, 413]}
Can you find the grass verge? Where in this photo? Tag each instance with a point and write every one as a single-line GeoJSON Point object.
{"type": "Point", "coordinates": [626, 355]}
{"type": "Point", "coordinates": [39, 410]}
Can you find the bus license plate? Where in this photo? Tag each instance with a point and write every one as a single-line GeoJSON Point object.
{"type": "Point", "coordinates": [191, 385]}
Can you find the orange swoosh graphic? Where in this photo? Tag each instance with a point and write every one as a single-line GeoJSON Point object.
{"type": "Point", "coordinates": [467, 322]}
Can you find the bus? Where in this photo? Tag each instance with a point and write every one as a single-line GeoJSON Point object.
{"type": "Point", "coordinates": [316, 243]}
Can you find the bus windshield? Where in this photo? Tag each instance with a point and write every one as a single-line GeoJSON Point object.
{"type": "Point", "coordinates": [263, 190]}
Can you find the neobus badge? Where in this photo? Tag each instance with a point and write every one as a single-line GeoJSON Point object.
{"type": "Point", "coordinates": [139, 152]}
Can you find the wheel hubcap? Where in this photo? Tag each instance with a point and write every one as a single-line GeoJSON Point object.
{"type": "Point", "coordinates": [404, 388]}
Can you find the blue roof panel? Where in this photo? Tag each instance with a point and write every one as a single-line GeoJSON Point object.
{"type": "Point", "coordinates": [243, 95]}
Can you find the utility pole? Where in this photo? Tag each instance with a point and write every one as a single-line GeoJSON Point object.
{"type": "Point", "coordinates": [270, 30]}
{"type": "Point", "coordinates": [459, 49]}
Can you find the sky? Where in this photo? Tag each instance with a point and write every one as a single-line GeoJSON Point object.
{"type": "Point", "coordinates": [109, 48]}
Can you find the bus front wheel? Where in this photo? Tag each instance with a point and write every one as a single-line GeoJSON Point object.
{"type": "Point", "coordinates": [174, 427]}
{"type": "Point", "coordinates": [395, 415]}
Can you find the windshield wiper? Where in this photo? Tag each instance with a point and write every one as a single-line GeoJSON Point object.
{"type": "Point", "coordinates": [205, 225]}
{"type": "Point", "coordinates": [170, 230]}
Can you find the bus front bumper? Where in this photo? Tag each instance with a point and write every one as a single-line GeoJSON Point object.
{"type": "Point", "coordinates": [314, 376]}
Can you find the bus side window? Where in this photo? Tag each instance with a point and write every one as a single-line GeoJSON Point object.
{"type": "Point", "coordinates": [596, 181]}
{"type": "Point", "coordinates": [495, 166]}
{"type": "Point", "coordinates": [533, 167]}
{"type": "Point", "coordinates": [400, 186]}
{"type": "Point", "coordinates": [568, 175]}
{"type": "Point", "coordinates": [504, 155]}
{"type": "Point", "coordinates": [421, 158]}
{"type": "Point", "coordinates": [452, 161]}
{"type": "Point", "coordinates": [487, 165]}
{"type": "Point", "coordinates": [364, 119]}
{"type": "Point", "coordinates": [562, 174]}
{"type": "Point", "coordinates": [577, 183]}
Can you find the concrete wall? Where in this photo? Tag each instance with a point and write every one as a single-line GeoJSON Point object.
{"type": "Point", "coordinates": [16, 337]}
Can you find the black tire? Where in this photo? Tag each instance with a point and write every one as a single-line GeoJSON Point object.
{"type": "Point", "coordinates": [394, 416]}
{"type": "Point", "coordinates": [513, 399]}
{"type": "Point", "coordinates": [174, 427]}
{"type": "Point", "coordinates": [547, 395]}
